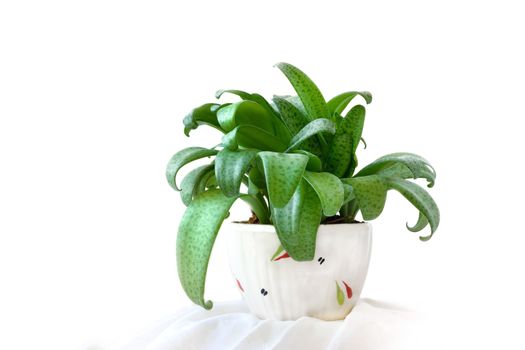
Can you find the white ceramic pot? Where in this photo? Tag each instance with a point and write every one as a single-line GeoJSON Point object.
{"type": "Point", "coordinates": [276, 287]}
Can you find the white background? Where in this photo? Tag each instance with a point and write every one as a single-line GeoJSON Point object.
{"type": "Point", "coordinates": [92, 96]}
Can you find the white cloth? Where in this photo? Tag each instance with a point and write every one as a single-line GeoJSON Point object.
{"type": "Point", "coordinates": [371, 325]}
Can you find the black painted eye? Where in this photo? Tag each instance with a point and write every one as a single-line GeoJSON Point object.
{"type": "Point", "coordinates": [321, 260]}
{"type": "Point", "coordinates": [264, 292]}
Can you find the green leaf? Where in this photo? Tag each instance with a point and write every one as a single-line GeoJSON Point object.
{"type": "Point", "coordinates": [279, 250]}
{"type": "Point", "coordinates": [419, 199]}
{"type": "Point", "coordinates": [341, 159]}
{"type": "Point", "coordinates": [252, 188]}
{"type": "Point", "coordinates": [370, 193]}
{"type": "Point", "coordinates": [208, 182]}
{"type": "Point", "coordinates": [296, 101]}
{"type": "Point", "coordinates": [250, 136]}
{"type": "Point", "coordinates": [283, 172]}
{"type": "Point", "coordinates": [252, 113]}
{"type": "Point", "coordinates": [339, 102]}
{"type": "Point", "coordinates": [203, 115]}
{"type": "Point", "coordinates": [421, 223]}
{"type": "Point", "coordinates": [190, 185]}
{"type": "Point", "coordinates": [230, 167]}
{"type": "Point", "coordinates": [418, 166]}
{"type": "Point", "coordinates": [348, 194]}
{"type": "Point", "coordinates": [258, 206]}
{"type": "Point", "coordinates": [298, 221]}
{"type": "Point", "coordinates": [329, 189]}
{"type": "Point", "coordinates": [364, 142]}
{"type": "Point", "coordinates": [400, 171]}
{"type": "Point", "coordinates": [257, 177]}
{"type": "Point", "coordinates": [340, 154]}
{"type": "Point", "coordinates": [311, 97]}
{"type": "Point", "coordinates": [340, 295]}
{"type": "Point", "coordinates": [295, 120]}
{"type": "Point", "coordinates": [315, 127]}
{"type": "Point", "coordinates": [197, 232]}
{"type": "Point", "coordinates": [245, 113]}
{"type": "Point", "coordinates": [248, 97]}
{"type": "Point", "coordinates": [355, 119]}
{"type": "Point", "coordinates": [182, 158]}
{"type": "Point", "coordinates": [242, 94]}
{"type": "Point", "coordinates": [314, 162]}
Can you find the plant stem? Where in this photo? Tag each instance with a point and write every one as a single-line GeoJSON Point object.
{"type": "Point", "coordinates": [353, 208]}
{"type": "Point", "coordinates": [349, 210]}
{"type": "Point", "coordinates": [258, 206]}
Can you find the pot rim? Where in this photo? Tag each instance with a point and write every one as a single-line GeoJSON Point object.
{"type": "Point", "coordinates": [271, 228]}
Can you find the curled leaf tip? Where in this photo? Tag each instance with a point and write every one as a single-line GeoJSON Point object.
{"type": "Point", "coordinates": [208, 305]}
{"type": "Point", "coordinates": [421, 223]}
{"type": "Point", "coordinates": [219, 93]}
{"type": "Point", "coordinates": [425, 238]}
{"type": "Point", "coordinates": [412, 228]}
{"type": "Point", "coordinates": [364, 143]}
{"type": "Point", "coordinates": [367, 96]}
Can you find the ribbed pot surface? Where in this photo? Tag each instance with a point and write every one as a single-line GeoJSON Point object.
{"type": "Point", "coordinates": [274, 286]}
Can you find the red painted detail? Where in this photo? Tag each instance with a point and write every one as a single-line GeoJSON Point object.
{"type": "Point", "coordinates": [348, 290]}
{"type": "Point", "coordinates": [284, 256]}
{"type": "Point", "coordinates": [239, 285]}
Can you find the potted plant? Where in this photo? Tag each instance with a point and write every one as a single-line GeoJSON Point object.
{"type": "Point", "coordinates": [293, 161]}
